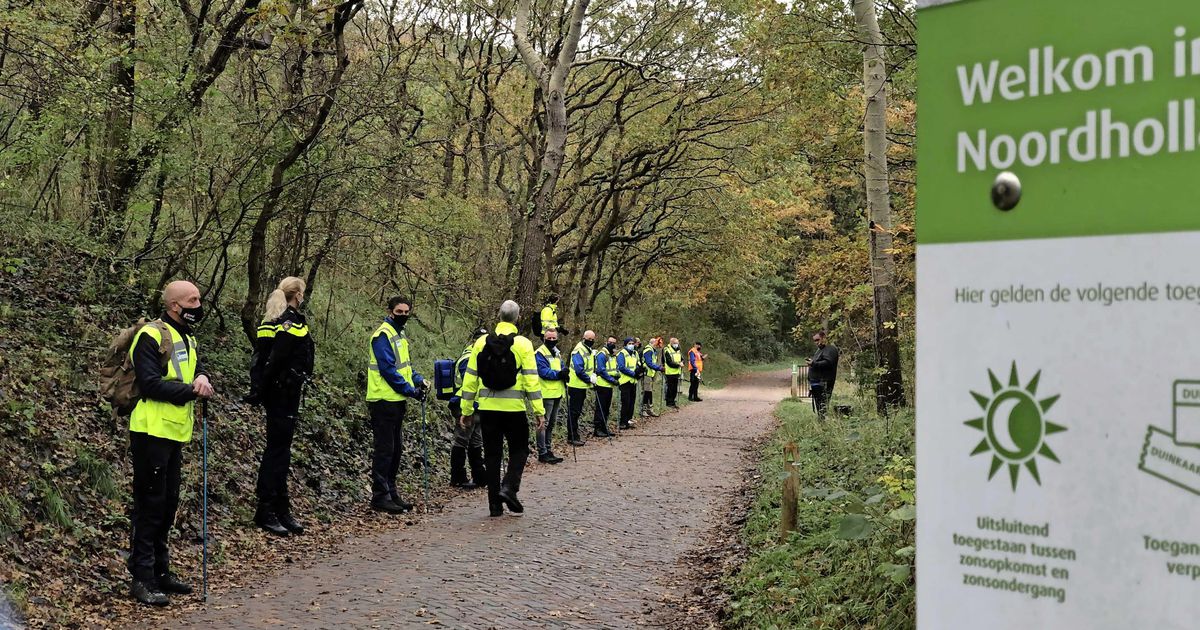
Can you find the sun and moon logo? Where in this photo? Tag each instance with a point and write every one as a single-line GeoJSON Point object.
{"type": "Point", "coordinates": [1014, 426]}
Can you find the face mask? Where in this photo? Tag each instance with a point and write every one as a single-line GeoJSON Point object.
{"type": "Point", "coordinates": [675, 346]}
{"type": "Point", "coordinates": [589, 342]}
{"type": "Point", "coordinates": [550, 343]}
{"type": "Point", "coordinates": [553, 299]}
{"type": "Point", "coordinates": [191, 316]}
{"type": "Point", "coordinates": [629, 347]}
{"type": "Point", "coordinates": [400, 320]}
{"type": "Point", "coordinates": [611, 346]}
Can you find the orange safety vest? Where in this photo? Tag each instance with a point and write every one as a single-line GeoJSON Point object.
{"type": "Point", "coordinates": [698, 359]}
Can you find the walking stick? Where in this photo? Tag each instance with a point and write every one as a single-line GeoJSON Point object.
{"type": "Point", "coordinates": [204, 519]}
{"type": "Point", "coordinates": [425, 455]}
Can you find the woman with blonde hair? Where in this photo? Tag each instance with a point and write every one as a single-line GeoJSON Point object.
{"type": "Point", "coordinates": [288, 363]}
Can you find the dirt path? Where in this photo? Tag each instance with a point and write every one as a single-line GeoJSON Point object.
{"type": "Point", "coordinates": [596, 548]}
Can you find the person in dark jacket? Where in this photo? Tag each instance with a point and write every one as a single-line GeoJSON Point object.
{"type": "Point", "coordinates": [468, 440]}
{"type": "Point", "coordinates": [822, 373]}
{"type": "Point", "coordinates": [159, 425]}
{"type": "Point", "coordinates": [288, 365]}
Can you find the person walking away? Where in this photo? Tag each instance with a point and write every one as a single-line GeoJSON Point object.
{"type": "Point", "coordinates": [468, 440]}
{"type": "Point", "coordinates": [549, 314]}
{"type": "Point", "coordinates": [822, 373]}
{"type": "Point", "coordinates": [288, 367]}
{"type": "Point", "coordinates": [502, 380]}
{"type": "Point", "coordinates": [627, 365]}
{"type": "Point", "coordinates": [581, 379]}
{"type": "Point", "coordinates": [653, 367]}
{"type": "Point", "coordinates": [391, 382]}
{"type": "Point", "coordinates": [553, 376]}
{"type": "Point", "coordinates": [673, 367]}
{"type": "Point", "coordinates": [159, 425]}
{"type": "Point", "coordinates": [606, 371]}
{"type": "Point", "coordinates": [696, 368]}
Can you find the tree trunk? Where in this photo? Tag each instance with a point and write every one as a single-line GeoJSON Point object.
{"type": "Point", "coordinates": [112, 190]}
{"type": "Point", "coordinates": [553, 84]}
{"type": "Point", "coordinates": [889, 388]}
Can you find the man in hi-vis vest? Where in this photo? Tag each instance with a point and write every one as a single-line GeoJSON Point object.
{"type": "Point", "coordinates": [391, 381]}
{"type": "Point", "coordinates": [159, 426]}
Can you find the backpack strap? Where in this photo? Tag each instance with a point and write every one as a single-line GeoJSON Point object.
{"type": "Point", "coordinates": [166, 346]}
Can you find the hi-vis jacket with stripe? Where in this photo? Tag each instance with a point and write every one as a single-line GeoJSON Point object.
{"type": "Point", "coordinates": [526, 394]}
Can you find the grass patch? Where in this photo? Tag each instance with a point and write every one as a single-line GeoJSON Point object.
{"type": "Point", "coordinates": [53, 507]}
{"type": "Point", "coordinates": [97, 473]}
{"type": "Point", "coordinates": [10, 515]}
{"type": "Point", "coordinates": [850, 563]}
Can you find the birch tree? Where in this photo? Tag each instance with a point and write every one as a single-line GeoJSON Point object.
{"type": "Point", "coordinates": [889, 386]}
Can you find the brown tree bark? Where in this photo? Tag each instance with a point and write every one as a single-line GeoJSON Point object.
{"type": "Point", "coordinates": [552, 81]}
{"type": "Point", "coordinates": [889, 386]}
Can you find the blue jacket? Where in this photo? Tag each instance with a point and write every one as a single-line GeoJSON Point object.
{"type": "Point", "coordinates": [648, 359]}
{"type": "Point", "coordinates": [627, 371]}
{"type": "Point", "coordinates": [602, 368]}
{"type": "Point", "coordinates": [385, 358]}
{"type": "Point", "coordinates": [543, 368]}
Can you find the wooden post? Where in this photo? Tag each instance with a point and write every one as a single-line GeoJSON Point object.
{"type": "Point", "coordinates": [791, 491]}
{"type": "Point", "coordinates": [795, 381]}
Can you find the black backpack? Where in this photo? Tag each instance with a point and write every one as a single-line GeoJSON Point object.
{"type": "Point", "coordinates": [496, 363]}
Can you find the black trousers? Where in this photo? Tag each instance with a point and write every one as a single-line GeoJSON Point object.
{"type": "Point", "coordinates": [282, 402]}
{"type": "Point", "coordinates": [387, 423]}
{"type": "Point", "coordinates": [672, 388]}
{"type": "Point", "coordinates": [820, 396]}
{"type": "Point", "coordinates": [603, 407]}
{"type": "Point", "coordinates": [156, 465]}
{"type": "Point", "coordinates": [576, 396]}
{"type": "Point", "coordinates": [694, 387]}
{"type": "Point", "coordinates": [499, 427]}
{"type": "Point", "coordinates": [628, 400]}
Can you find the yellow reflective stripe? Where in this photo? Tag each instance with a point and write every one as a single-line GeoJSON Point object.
{"type": "Point", "coordinates": [507, 393]}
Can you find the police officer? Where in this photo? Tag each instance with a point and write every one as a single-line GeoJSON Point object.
{"type": "Point", "coordinates": [502, 409]}
{"type": "Point", "coordinates": [627, 365]}
{"type": "Point", "coordinates": [468, 440]}
{"type": "Point", "coordinates": [288, 366]}
{"type": "Point", "coordinates": [552, 375]}
{"type": "Point", "coordinates": [673, 364]}
{"type": "Point", "coordinates": [652, 367]}
{"type": "Point", "coordinates": [606, 373]}
{"type": "Point", "coordinates": [159, 426]}
{"type": "Point", "coordinates": [581, 379]}
{"type": "Point", "coordinates": [391, 382]}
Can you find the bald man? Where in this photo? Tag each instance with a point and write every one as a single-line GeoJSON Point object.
{"type": "Point", "coordinates": [159, 426]}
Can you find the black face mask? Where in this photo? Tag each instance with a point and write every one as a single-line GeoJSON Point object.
{"type": "Point", "coordinates": [553, 299]}
{"type": "Point", "coordinates": [191, 316]}
{"type": "Point", "coordinates": [551, 343]}
{"type": "Point", "coordinates": [611, 347]}
{"type": "Point", "coordinates": [400, 320]}
{"type": "Point", "coordinates": [589, 342]}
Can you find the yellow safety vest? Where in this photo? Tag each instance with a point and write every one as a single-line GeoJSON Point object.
{"type": "Point", "coordinates": [525, 394]}
{"type": "Point", "coordinates": [677, 357]}
{"type": "Point", "coordinates": [549, 317]}
{"type": "Point", "coordinates": [589, 366]}
{"type": "Point", "coordinates": [552, 389]}
{"type": "Point", "coordinates": [610, 367]}
{"type": "Point", "coordinates": [160, 418]}
{"type": "Point", "coordinates": [377, 387]}
{"type": "Point", "coordinates": [631, 363]}
{"type": "Point", "coordinates": [653, 352]}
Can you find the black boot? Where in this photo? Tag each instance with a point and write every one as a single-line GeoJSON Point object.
{"type": "Point", "coordinates": [458, 468]}
{"type": "Point", "coordinates": [478, 470]}
{"type": "Point", "coordinates": [266, 519]}
{"type": "Point", "coordinates": [283, 512]}
{"type": "Point", "coordinates": [168, 583]}
{"type": "Point", "coordinates": [148, 593]}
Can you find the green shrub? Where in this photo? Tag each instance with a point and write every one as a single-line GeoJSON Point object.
{"type": "Point", "coordinates": [849, 565]}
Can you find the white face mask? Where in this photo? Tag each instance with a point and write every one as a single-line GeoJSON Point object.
{"type": "Point", "coordinates": [675, 346]}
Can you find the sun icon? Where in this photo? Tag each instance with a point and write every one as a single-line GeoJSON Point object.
{"type": "Point", "coordinates": [1014, 425]}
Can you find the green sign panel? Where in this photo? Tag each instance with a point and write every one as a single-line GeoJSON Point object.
{"type": "Point", "coordinates": [1058, 301]}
